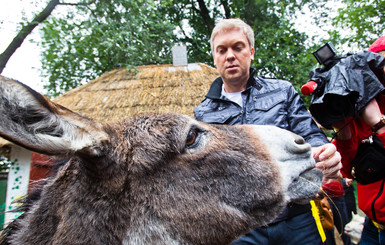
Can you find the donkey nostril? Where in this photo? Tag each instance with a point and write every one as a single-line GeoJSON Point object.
{"type": "Point", "coordinates": [299, 140]}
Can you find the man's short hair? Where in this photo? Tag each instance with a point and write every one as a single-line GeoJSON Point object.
{"type": "Point", "coordinates": [231, 24]}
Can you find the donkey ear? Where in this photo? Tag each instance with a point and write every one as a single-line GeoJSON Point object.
{"type": "Point", "coordinates": [38, 124]}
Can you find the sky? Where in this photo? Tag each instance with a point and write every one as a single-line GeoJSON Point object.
{"type": "Point", "coordinates": [24, 64]}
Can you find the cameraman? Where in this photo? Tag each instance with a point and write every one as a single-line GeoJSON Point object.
{"type": "Point", "coordinates": [371, 197]}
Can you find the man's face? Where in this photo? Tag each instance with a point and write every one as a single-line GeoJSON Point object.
{"type": "Point", "coordinates": [232, 56]}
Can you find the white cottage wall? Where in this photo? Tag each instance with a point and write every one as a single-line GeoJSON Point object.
{"type": "Point", "coordinates": [18, 179]}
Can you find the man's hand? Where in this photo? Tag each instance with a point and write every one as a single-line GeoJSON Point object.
{"type": "Point", "coordinates": [328, 159]}
{"type": "Point", "coordinates": [349, 182]}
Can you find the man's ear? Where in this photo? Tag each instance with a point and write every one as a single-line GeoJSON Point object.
{"type": "Point", "coordinates": [252, 51]}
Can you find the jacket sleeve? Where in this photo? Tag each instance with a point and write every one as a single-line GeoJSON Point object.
{"type": "Point", "coordinates": [348, 150]}
{"type": "Point", "coordinates": [382, 138]}
{"type": "Point", "coordinates": [300, 120]}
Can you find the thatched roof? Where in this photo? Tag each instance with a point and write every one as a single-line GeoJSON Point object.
{"type": "Point", "coordinates": [4, 142]}
{"type": "Point", "coordinates": [120, 93]}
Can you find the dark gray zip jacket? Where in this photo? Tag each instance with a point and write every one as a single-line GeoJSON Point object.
{"type": "Point", "coordinates": [265, 102]}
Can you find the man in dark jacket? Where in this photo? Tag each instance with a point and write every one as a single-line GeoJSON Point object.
{"type": "Point", "coordinates": [239, 97]}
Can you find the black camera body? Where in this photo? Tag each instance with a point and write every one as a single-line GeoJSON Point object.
{"type": "Point", "coordinates": [344, 84]}
{"type": "Point", "coordinates": [325, 54]}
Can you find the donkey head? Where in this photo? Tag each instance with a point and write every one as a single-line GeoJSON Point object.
{"type": "Point", "coordinates": [153, 178]}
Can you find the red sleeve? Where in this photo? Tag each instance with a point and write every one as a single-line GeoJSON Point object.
{"type": "Point", "coordinates": [382, 138]}
{"type": "Point", "coordinates": [348, 150]}
{"type": "Point", "coordinates": [381, 103]}
{"type": "Point", "coordinates": [360, 130]}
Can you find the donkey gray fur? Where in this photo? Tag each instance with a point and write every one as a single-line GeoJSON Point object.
{"type": "Point", "coordinates": [153, 178]}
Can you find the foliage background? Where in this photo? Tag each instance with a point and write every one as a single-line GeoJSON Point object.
{"type": "Point", "coordinates": [89, 37]}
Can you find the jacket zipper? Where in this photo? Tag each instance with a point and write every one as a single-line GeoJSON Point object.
{"type": "Point", "coordinates": [375, 199]}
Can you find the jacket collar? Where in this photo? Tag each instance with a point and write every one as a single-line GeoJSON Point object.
{"type": "Point", "coordinates": [215, 90]}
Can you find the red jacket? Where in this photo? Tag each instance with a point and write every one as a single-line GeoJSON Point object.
{"type": "Point", "coordinates": [371, 197]}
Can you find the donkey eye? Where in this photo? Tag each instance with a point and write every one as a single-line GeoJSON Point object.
{"type": "Point", "coordinates": [191, 137]}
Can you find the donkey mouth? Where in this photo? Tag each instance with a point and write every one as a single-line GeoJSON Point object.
{"type": "Point", "coordinates": [305, 186]}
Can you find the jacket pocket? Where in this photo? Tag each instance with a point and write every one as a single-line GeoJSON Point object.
{"type": "Point", "coordinates": [221, 116]}
{"type": "Point", "coordinates": [267, 101]}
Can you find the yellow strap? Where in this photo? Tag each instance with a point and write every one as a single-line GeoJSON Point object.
{"type": "Point", "coordinates": [317, 219]}
{"type": "Point", "coordinates": [378, 226]}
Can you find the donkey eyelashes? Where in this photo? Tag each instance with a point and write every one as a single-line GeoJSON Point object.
{"type": "Point", "coordinates": [193, 137]}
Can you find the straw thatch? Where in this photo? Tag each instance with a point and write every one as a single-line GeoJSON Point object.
{"type": "Point", "coordinates": [120, 93]}
{"type": "Point", "coordinates": [4, 143]}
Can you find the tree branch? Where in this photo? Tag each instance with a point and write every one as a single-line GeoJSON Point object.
{"type": "Point", "coordinates": [225, 5]}
{"type": "Point", "coordinates": [24, 32]}
{"type": "Point", "coordinates": [205, 13]}
{"type": "Point", "coordinates": [78, 4]}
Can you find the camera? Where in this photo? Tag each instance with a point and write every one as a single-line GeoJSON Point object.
{"type": "Point", "coordinates": [325, 53]}
{"type": "Point", "coordinates": [344, 84]}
